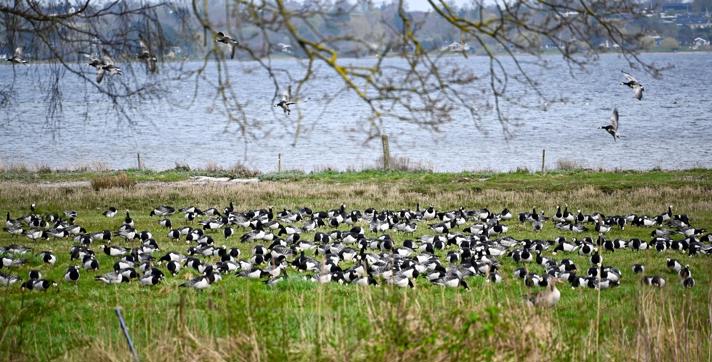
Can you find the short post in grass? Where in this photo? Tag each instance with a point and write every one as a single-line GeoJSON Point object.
{"type": "Point", "coordinates": [125, 329]}
{"type": "Point", "coordinates": [543, 158]}
{"type": "Point", "coordinates": [138, 160]}
{"type": "Point", "coordinates": [279, 162]}
{"type": "Point", "coordinates": [386, 152]}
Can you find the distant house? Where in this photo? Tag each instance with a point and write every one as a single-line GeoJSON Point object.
{"type": "Point", "coordinates": [700, 43]}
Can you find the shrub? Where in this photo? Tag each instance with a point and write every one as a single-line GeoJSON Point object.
{"type": "Point", "coordinates": [238, 170]}
{"type": "Point", "coordinates": [110, 181]}
{"type": "Point", "coordinates": [182, 167]}
{"type": "Point", "coordinates": [402, 163]}
{"type": "Point", "coordinates": [562, 164]}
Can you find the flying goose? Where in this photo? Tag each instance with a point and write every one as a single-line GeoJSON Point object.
{"type": "Point", "coordinates": [221, 37]}
{"type": "Point", "coordinates": [285, 102]}
{"type": "Point", "coordinates": [106, 64]}
{"type": "Point", "coordinates": [612, 128]}
{"type": "Point", "coordinates": [17, 57]}
{"type": "Point", "coordinates": [147, 55]}
{"type": "Point", "coordinates": [634, 84]}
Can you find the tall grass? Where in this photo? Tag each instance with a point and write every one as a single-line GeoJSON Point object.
{"type": "Point", "coordinates": [403, 163]}
{"type": "Point", "coordinates": [121, 180]}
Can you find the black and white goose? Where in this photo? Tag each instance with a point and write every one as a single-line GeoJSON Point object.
{"type": "Point", "coordinates": [685, 272]}
{"type": "Point", "coordinates": [223, 38]}
{"type": "Point", "coordinates": [674, 265]}
{"type": "Point", "coordinates": [633, 84]}
{"type": "Point", "coordinates": [105, 65]}
{"type": "Point", "coordinates": [48, 257]}
{"type": "Point", "coordinates": [451, 281]}
{"type": "Point", "coordinates": [112, 278]}
{"type": "Point", "coordinates": [151, 278]}
{"type": "Point", "coordinates": [286, 101]}
{"type": "Point", "coordinates": [17, 58]}
{"type": "Point", "coordinates": [173, 267]}
{"type": "Point", "coordinates": [162, 210]}
{"type": "Point", "coordinates": [89, 262]}
{"type": "Point", "coordinates": [128, 221]}
{"type": "Point", "coordinates": [656, 281]}
{"type": "Point", "coordinates": [8, 279]}
{"type": "Point", "coordinates": [72, 274]}
{"type": "Point", "coordinates": [147, 55]}
{"type": "Point", "coordinates": [114, 250]}
{"type": "Point", "coordinates": [34, 274]}
{"type": "Point", "coordinates": [110, 212]}
{"type": "Point", "coordinates": [612, 128]}
{"type": "Point", "coordinates": [10, 262]}
{"type": "Point", "coordinates": [38, 284]}
{"type": "Point", "coordinates": [35, 235]}
{"type": "Point", "coordinates": [596, 258]}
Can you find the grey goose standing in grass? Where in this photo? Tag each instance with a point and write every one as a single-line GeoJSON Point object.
{"type": "Point", "coordinates": [17, 58]}
{"type": "Point", "coordinates": [633, 84]}
{"type": "Point", "coordinates": [286, 101]}
{"type": "Point", "coordinates": [223, 38]}
{"type": "Point", "coordinates": [147, 55]}
{"type": "Point", "coordinates": [612, 128]}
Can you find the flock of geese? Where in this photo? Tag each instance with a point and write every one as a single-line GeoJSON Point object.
{"type": "Point", "coordinates": [473, 243]}
{"type": "Point", "coordinates": [105, 63]}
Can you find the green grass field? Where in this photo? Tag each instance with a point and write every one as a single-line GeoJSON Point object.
{"type": "Point", "coordinates": [241, 319]}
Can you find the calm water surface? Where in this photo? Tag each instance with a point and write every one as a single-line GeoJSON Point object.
{"type": "Point", "coordinates": [670, 128]}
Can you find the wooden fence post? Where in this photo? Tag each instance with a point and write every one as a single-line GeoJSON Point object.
{"type": "Point", "coordinates": [125, 329]}
{"type": "Point", "coordinates": [543, 158]}
{"type": "Point", "coordinates": [279, 162]}
{"type": "Point", "coordinates": [386, 152]}
{"type": "Point", "coordinates": [138, 160]}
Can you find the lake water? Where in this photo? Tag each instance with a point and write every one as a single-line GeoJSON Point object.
{"type": "Point", "coordinates": [670, 128]}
